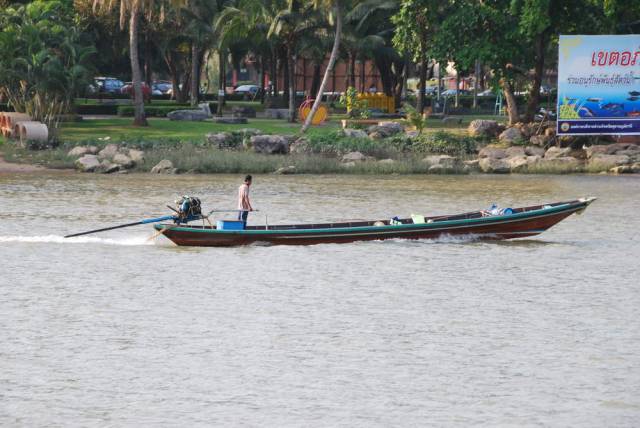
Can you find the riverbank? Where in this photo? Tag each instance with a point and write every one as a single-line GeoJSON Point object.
{"type": "Point", "coordinates": [387, 147]}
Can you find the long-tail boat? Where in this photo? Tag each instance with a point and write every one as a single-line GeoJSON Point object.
{"type": "Point", "coordinates": [507, 224]}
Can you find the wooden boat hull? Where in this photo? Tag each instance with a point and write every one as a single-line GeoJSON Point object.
{"type": "Point", "coordinates": [527, 221]}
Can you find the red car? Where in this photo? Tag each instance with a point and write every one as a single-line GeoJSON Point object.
{"type": "Point", "coordinates": [128, 89]}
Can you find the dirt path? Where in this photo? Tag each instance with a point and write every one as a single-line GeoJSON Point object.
{"type": "Point", "coordinates": [19, 168]}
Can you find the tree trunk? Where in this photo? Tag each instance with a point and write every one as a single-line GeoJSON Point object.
{"type": "Point", "coordinates": [315, 80]}
{"type": "Point", "coordinates": [138, 100]}
{"type": "Point", "coordinates": [285, 78]}
{"type": "Point", "coordinates": [332, 61]}
{"type": "Point", "coordinates": [512, 105]}
{"type": "Point", "coordinates": [195, 74]}
{"type": "Point", "coordinates": [352, 74]}
{"type": "Point", "coordinates": [476, 74]}
{"type": "Point", "coordinates": [147, 61]}
{"type": "Point", "coordinates": [534, 93]}
{"type": "Point", "coordinates": [221, 79]}
{"type": "Point", "coordinates": [347, 74]}
{"type": "Point", "coordinates": [457, 98]}
{"type": "Point", "coordinates": [274, 74]}
{"type": "Point", "coordinates": [423, 80]}
{"type": "Point", "coordinates": [292, 84]}
{"type": "Point", "coordinates": [262, 87]}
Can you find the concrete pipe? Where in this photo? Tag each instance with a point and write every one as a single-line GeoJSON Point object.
{"type": "Point", "coordinates": [17, 129]}
{"type": "Point", "coordinates": [10, 119]}
{"type": "Point", "coordinates": [32, 131]}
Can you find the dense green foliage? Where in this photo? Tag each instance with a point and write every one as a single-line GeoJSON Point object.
{"type": "Point", "coordinates": [44, 60]}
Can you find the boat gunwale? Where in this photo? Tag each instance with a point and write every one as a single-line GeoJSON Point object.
{"type": "Point", "coordinates": [574, 205]}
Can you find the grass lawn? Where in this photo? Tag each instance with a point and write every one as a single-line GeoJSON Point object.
{"type": "Point", "coordinates": [120, 129]}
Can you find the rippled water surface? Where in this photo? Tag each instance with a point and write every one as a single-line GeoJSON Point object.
{"type": "Point", "coordinates": [116, 330]}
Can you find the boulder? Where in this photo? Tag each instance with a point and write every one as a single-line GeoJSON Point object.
{"type": "Point", "coordinates": [392, 127]}
{"type": "Point", "coordinates": [484, 128]}
{"type": "Point", "coordinates": [492, 152]}
{"type": "Point", "coordinates": [557, 152]}
{"type": "Point", "coordinates": [108, 152]}
{"type": "Point", "coordinates": [348, 164]}
{"type": "Point", "coordinates": [445, 161]}
{"type": "Point", "coordinates": [623, 169]}
{"type": "Point", "coordinates": [605, 161]}
{"type": "Point", "coordinates": [188, 115]}
{"type": "Point", "coordinates": [494, 165]}
{"type": "Point", "coordinates": [613, 149]}
{"type": "Point", "coordinates": [165, 166]}
{"type": "Point", "coordinates": [631, 152]}
{"type": "Point", "coordinates": [354, 157]}
{"type": "Point", "coordinates": [231, 120]}
{"type": "Point", "coordinates": [354, 133]}
{"type": "Point", "coordinates": [88, 163]}
{"type": "Point", "coordinates": [221, 140]}
{"type": "Point", "coordinates": [205, 108]}
{"type": "Point", "coordinates": [270, 144]}
{"type": "Point", "coordinates": [123, 160]}
{"type": "Point", "coordinates": [596, 149]}
{"type": "Point", "coordinates": [564, 162]}
{"type": "Point", "coordinates": [107, 167]}
{"type": "Point", "coordinates": [514, 151]}
{"type": "Point", "coordinates": [384, 129]}
{"type": "Point", "coordinates": [534, 151]}
{"type": "Point", "coordinates": [240, 111]}
{"type": "Point", "coordinates": [137, 156]}
{"type": "Point", "coordinates": [539, 140]}
{"type": "Point", "coordinates": [511, 136]}
{"type": "Point", "coordinates": [300, 146]}
{"type": "Point", "coordinates": [78, 151]}
{"type": "Point", "coordinates": [285, 170]}
{"type": "Point", "coordinates": [472, 165]}
{"type": "Point", "coordinates": [517, 163]}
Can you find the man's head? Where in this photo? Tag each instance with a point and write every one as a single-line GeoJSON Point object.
{"type": "Point", "coordinates": [247, 180]}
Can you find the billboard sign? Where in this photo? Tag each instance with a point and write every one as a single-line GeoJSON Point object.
{"type": "Point", "coordinates": [599, 85]}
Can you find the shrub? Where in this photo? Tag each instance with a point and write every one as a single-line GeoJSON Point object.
{"type": "Point", "coordinates": [151, 110]}
{"type": "Point", "coordinates": [445, 143]}
{"type": "Point", "coordinates": [101, 109]}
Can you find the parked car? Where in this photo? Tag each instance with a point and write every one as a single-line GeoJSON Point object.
{"type": "Point", "coordinates": [162, 87]}
{"type": "Point", "coordinates": [452, 92]}
{"type": "Point", "coordinates": [106, 85]}
{"type": "Point", "coordinates": [128, 89]}
{"type": "Point", "coordinates": [248, 91]}
{"type": "Point", "coordinates": [487, 93]}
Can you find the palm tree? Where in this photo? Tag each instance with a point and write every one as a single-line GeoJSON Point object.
{"type": "Point", "coordinates": [134, 8]}
{"type": "Point", "coordinates": [290, 25]}
{"type": "Point", "coordinates": [335, 8]}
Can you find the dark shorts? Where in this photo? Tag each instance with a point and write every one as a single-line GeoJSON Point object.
{"type": "Point", "coordinates": [242, 215]}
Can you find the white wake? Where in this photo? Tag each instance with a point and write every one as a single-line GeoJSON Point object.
{"type": "Point", "coordinates": [56, 239]}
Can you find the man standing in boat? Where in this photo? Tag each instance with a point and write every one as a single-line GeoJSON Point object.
{"type": "Point", "coordinates": [244, 204]}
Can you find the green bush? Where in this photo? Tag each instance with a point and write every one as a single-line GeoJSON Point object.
{"type": "Point", "coordinates": [98, 109]}
{"type": "Point", "coordinates": [335, 143]}
{"type": "Point", "coordinates": [150, 111]}
{"type": "Point", "coordinates": [445, 143]}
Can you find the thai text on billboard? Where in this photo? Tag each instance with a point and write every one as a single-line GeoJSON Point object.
{"type": "Point", "coordinates": [599, 85]}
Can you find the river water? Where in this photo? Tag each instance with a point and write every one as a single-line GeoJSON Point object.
{"type": "Point", "coordinates": [116, 330]}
